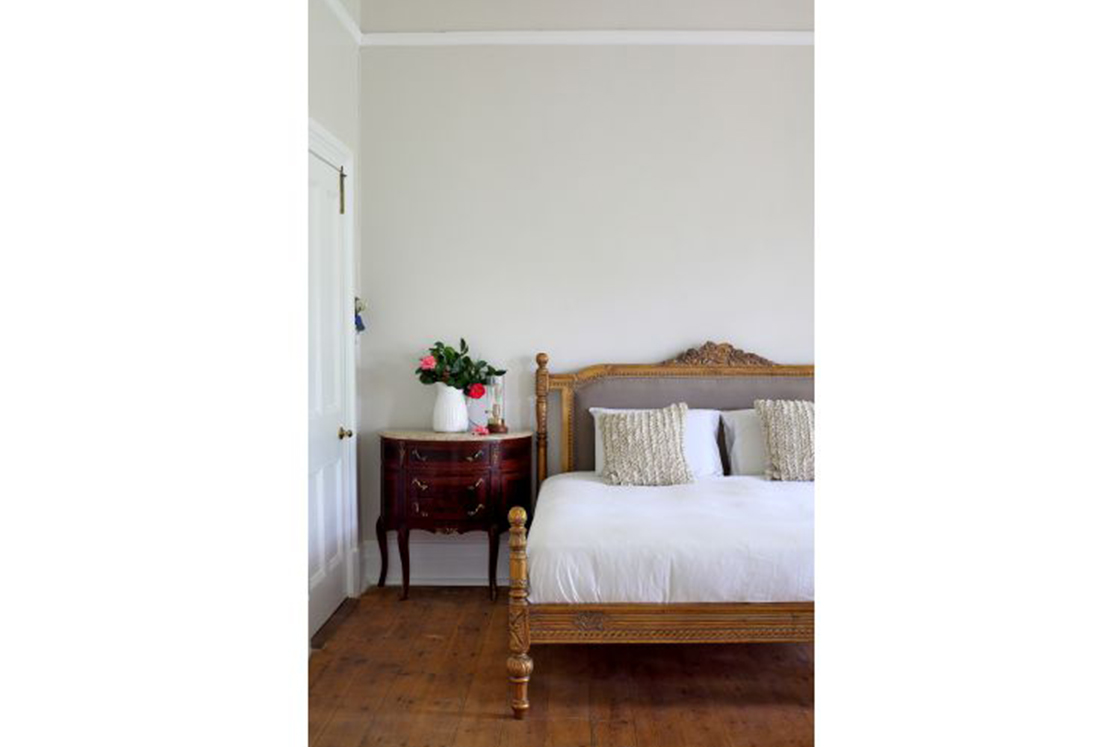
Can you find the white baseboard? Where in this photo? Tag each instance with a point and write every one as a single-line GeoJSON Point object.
{"type": "Point", "coordinates": [436, 560]}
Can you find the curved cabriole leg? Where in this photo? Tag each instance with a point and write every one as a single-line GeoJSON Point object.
{"type": "Point", "coordinates": [402, 548]}
{"type": "Point", "coordinates": [382, 546]}
{"type": "Point", "coordinates": [493, 533]}
{"type": "Point", "coordinates": [519, 664]}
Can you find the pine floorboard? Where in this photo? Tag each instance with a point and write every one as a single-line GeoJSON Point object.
{"type": "Point", "coordinates": [430, 672]}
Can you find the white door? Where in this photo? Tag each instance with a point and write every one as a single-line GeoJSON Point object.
{"type": "Point", "coordinates": [331, 515]}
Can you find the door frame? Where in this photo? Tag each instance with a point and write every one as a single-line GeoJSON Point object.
{"type": "Point", "coordinates": [326, 145]}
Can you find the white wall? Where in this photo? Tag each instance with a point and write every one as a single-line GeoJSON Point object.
{"type": "Point", "coordinates": [603, 204]}
{"type": "Point", "coordinates": [354, 8]}
{"type": "Point", "coordinates": [333, 70]}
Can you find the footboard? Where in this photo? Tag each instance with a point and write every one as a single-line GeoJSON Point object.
{"type": "Point", "coordinates": [671, 623]}
{"type": "Point", "coordinates": [630, 623]}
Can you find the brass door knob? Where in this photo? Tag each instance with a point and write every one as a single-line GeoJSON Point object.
{"type": "Point", "coordinates": [344, 433]}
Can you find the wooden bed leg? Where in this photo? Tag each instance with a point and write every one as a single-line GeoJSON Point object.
{"type": "Point", "coordinates": [519, 664]}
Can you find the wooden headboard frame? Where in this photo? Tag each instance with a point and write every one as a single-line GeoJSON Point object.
{"type": "Point", "coordinates": [708, 360]}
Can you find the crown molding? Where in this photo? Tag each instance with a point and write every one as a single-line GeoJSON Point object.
{"type": "Point", "coordinates": [586, 38]}
{"type": "Point", "coordinates": [347, 20]}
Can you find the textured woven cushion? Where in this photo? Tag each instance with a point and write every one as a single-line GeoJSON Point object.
{"type": "Point", "coordinates": [701, 442]}
{"type": "Point", "coordinates": [645, 447]}
{"type": "Point", "coordinates": [788, 425]}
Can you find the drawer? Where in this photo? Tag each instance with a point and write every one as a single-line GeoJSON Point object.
{"type": "Point", "coordinates": [516, 453]}
{"type": "Point", "coordinates": [430, 454]}
{"type": "Point", "coordinates": [444, 497]}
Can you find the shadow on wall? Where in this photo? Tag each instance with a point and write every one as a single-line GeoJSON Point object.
{"type": "Point", "coordinates": [521, 371]}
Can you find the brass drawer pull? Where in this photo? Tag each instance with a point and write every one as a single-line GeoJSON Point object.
{"type": "Point", "coordinates": [477, 485]}
{"type": "Point", "coordinates": [418, 456]}
{"type": "Point", "coordinates": [421, 485]}
{"type": "Point", "coordinates": [478, 454]}
{"type": "Point", "coordinates": [416, 509]}
{"type": "Point", "coordinates": [475, 510]}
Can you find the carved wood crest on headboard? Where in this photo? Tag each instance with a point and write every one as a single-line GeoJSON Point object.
{"type": "Point", "coordinates": [718, 354]}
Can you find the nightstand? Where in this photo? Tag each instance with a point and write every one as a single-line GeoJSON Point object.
{"type": "Point", "coordinates": [451, 483]}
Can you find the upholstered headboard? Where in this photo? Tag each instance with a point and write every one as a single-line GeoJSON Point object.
{"type": "Point", "coordinates": [713, 376]}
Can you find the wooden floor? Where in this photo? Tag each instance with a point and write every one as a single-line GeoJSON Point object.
{"type": "Point", "coordinates": [431, 672]}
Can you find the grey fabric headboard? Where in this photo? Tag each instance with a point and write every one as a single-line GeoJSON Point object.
{"type": "Point", "coordinates": [715, 393]}
{"type": "Point", "coordinates": [713, 376]}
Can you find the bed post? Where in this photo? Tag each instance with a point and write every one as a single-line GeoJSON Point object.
{"type": "Point", "coordinates": [519, 664]}
{"type": "Point", "coordinates": [542, 418]}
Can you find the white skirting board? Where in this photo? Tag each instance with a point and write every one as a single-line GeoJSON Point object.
{"type": "Point", "coordinates": [436, 560]}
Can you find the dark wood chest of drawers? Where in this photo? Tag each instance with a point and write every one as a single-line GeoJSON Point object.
{"type": "Point", "coordinates": [450, 484]}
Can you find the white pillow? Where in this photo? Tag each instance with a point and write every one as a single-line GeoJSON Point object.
{"type": "Point", "coordinates": [746, 442]}
{"type": "Point", "coordinates": [701, 445]}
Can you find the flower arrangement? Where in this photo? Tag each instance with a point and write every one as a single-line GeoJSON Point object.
{"type": "Point", "coordinates": [445, 364]}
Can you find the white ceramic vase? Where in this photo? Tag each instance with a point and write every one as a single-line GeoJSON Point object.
{"type": "Point", "coordinates": [450, 413]}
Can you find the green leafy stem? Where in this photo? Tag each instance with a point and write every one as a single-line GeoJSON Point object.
{"type": "Point", "coordinates": [454, 367]}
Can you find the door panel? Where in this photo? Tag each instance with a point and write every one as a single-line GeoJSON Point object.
{"type": "Point", "coordinates": [329, 461]}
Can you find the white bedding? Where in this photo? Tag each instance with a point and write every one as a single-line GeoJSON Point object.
{"type": "Point", "coordinates": [721, 539]}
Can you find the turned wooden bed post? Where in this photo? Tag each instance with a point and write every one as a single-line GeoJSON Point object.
{"type": "Point", "coordinates": [542, 418]}
{"type": "Point", "coordinates": [519, 664]}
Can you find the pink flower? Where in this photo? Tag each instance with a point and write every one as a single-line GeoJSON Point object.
{"type": "Point", "coordinates": [428, 362]}
{"type": "Point", "coordinates": [476, 391]}
{"type": "Point", "coordinates": [480, 430]}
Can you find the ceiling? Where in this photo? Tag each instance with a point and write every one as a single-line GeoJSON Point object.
{"type": "Point", "coordinates": [524, 15]}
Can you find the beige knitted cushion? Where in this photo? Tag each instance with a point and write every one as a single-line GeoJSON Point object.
{"type": "Point", "coordinates": [788, 426]}
{"type": "Point", "coordinates": [644, 447]}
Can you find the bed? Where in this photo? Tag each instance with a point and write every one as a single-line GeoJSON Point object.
{"type": "Point", "coordinates": [719, 560]}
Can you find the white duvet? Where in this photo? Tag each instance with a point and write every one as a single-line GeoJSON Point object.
{"type": "Point", "coordinates": [720, 539]}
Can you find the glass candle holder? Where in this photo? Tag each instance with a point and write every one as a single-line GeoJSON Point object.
{"type": "Point", "coordinates": [496, 386]}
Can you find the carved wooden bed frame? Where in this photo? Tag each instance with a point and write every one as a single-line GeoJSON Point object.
{"type": "Point", "coordinates": [633, 623]}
